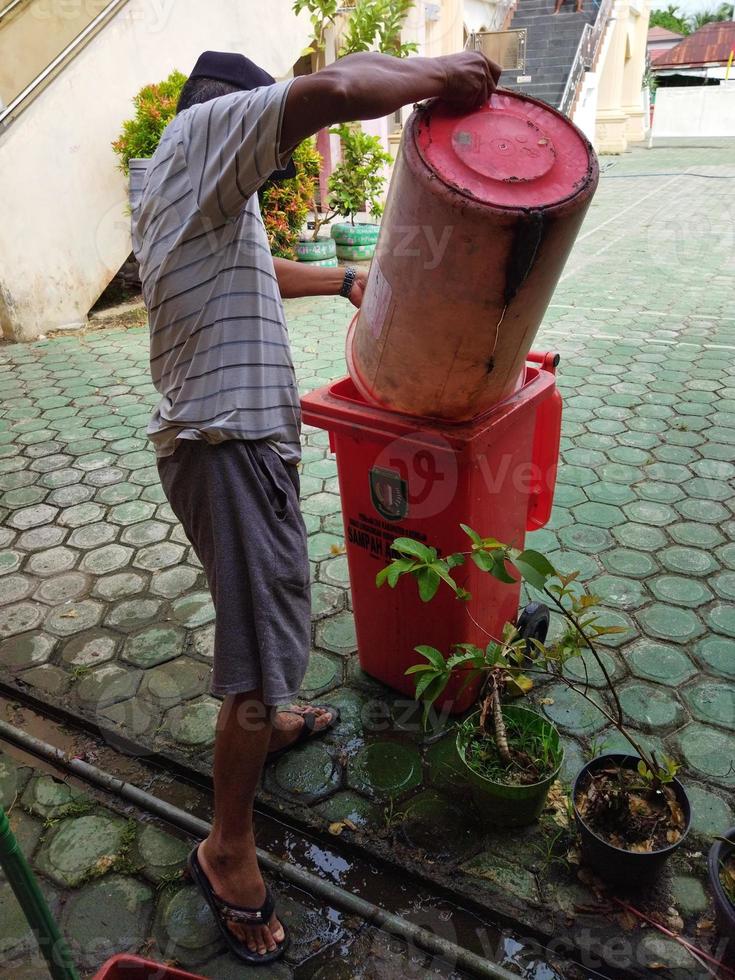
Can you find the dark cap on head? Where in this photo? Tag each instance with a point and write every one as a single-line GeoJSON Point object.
{"type": "Point", "coordinates": [236, 69]}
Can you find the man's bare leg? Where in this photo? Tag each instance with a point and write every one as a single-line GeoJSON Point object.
{"type": "Point", "coordinates": [245, 733]}
{"type": "Point", "coordinates": [557, 6]}
{"type": "Point", "coordinates": [227, 856]}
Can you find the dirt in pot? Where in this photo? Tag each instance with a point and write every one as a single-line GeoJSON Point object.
{"type": "Point", "coordinates": [535, 753]}
{"type": "Point", "coordinates": [727, 875]}
{"type": "Point", "coordinates": [618, 806]}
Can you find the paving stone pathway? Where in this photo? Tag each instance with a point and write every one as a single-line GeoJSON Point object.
{"type": "Point", "coordinates": [104, 610]}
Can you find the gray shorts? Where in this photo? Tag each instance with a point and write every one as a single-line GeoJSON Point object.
{"type": "Point", "coordinates": [238, 503]}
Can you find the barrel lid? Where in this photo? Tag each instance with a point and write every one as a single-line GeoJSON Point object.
{"type": "Point", "coordinates": [513, 152]}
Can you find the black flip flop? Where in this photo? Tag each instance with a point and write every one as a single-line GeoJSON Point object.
{"type": "Point", "coordinates": [225, 912]}
{"type": "Point", "coordinates": [308, 731]}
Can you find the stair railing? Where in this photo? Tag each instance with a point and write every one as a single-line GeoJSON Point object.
{"type": "Point", "coordinates": [39, 83]}
{"type": "Point", "coordinates": [586, 54]}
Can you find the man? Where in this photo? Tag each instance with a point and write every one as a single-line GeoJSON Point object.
{"type": "Point", "coordinates": [226, 430]}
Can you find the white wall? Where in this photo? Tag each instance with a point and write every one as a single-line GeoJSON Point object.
{"type": "Point", "coordinates": [64, 231]}
{"type": "Point", "coordinates": [706, 111]}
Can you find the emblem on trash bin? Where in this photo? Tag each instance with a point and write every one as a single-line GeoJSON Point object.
{"type": "Point", "coordinates": [389, 493]}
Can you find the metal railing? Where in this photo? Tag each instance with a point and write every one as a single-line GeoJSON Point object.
{"type": "Point", "coordinates": [586, 54]}
{"type": "Point", "coordinates": [39, 83]}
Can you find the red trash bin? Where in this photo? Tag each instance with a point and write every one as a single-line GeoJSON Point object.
{"type": "Point", "coordinates": [128, 967]}
{"type": "Point", "coordinates": [403, 477]}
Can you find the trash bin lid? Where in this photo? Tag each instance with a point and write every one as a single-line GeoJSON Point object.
{"type": "Point", "coordinates": [513, 152]}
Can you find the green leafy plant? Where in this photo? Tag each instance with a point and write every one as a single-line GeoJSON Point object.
{"type": "Point", "coordinates": [376, 25]}
{"type": "Point", "coordinates": [509, 658]}
{"type": "Point", "coordinates": [323, 13]}
{"type": "Point", "coordinates": [357, 183]}
{"type": "Point", "coordinates": [286, 205]}
{"type": "Point", "coordinates": [155, 107]}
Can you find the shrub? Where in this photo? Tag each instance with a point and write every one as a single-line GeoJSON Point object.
{"type": "Point", "coordinates": [357, 182]}
{"type": "Point", "coordinates": [155, 107]}
{"type": "Point", "coordinates": [285, 205]}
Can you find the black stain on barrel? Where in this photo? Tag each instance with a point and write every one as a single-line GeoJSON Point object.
{"type": "Point", "coordinates": [527, 238]}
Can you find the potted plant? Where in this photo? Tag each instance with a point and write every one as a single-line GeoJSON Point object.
{"type": "Point", "coordinates": [155, 107]}
{"type": "Point", "coordinates": [721, 871]}
{"type": "Point", "coordinates": [631, 811]}
{"type": "Point", "coordinates": [355, 185]}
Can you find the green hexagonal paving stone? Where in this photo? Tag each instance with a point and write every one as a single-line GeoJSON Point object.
{"type": "Point", "coordinates": [89, 649]}
{"type": "Point", "coordinates": [717, 654]}
{"type": "Point", "coordinates": [322, 673]}
{"type": "Point", "coordinates": [154, 645]}
{"type": "Point", "coordinates": [323, 469]}
{"type": "Point", "coordinates": [585, 668]}
{"type": "Point", "coordinates": [670, 623]}
{"type": "Point", "coordinates": [60, 478]}
{"type": "Point", "coordinates": [702, 511]}
{"type": "Point", "coordinates": [710, 813]}
{"type": "Point", "coordinates": [92, 536]}
{"type": "Point", "coordinates": [708, 751]}
{"type": "Point", "coordinates": [157, 556]}
{"type": "Point", "coordinates": [13, 778]}
{"type": "Point", "coordinates": [582, 537]}
{"type": "Point", "coordinates": [74, 617]}
{"type": "Point", "coordinates": [62, 588]}
{"type": "Point", "coordinates": [132, 613]}
{"type": "Point", "coordinates": [679, 590]}
{"type": "Point", "coordinates": [50, 798]}
{"type": "Point", "coordinates": [312, 523]}
{"type": "Point", "coordinates": [69, 496]}
{"type": "Point", "coordinates": [81, 847]}
{"type": "Point", "coordinates": [566, 495]}
{"type": "Point", "coordinates": [542, 540]}
{"type": "Point", "coordinates": [192, 724]}
{"type": "Point", "coordinates": [651, 707]}
{"type": "Point", "coordinates": [173, 582]}
{"type": "Point", "coordinates": [439, 826]}
{"type": "Point", "coordinates": [711, 701]}
{"type": "Point", "coordinates": [721, 618]}
{"type": "Point", "coordinates": [193, 610]}
{"type": "Point", "coordinates": [347, 805]}
{"type": "Point", "coordinates": [48, 680]}
{"type": "Point", "coordinates": [610, 493]}
{"type": "Point", "coordinates": [108, 476]}
{"type": "Point", "coordinates": [29, 517]}
{"type": "Point", "coordinates": [175, 681]}
{"type": "Point", "coordinates": [23, 497]}
{"type": "Point", "coordinates": [584, 457]}
{"type": "Point", "coordinates": [659, 662]}
{"type": "Point", "coordinates": [724, 585]}
{"type": "Point", "coordinates": [107, 559]}
{"type": "Point", "coordinates": [118, 493]}
{"type": "Point", "coordinates": [82, 514]}
{"type": "Point", "coordinates": [108, 917]}
{"type": "Point", "coordinates": [16, 937]}
{"type": "Point", "coordinates": [571, 711]}
{"type": "Point", "coordinates": [27, 649]}
{"type": "Point", "coordinates": [10, 561]}
{"type": "Point", "coordinates": [629, 563]}
{"type": "Point", "coordinates": [321, 504]}
{"type": "Point", "coordinates": [119, 586]}
{"type": "Point", "coordinates": [385, 769]}
{"type": "Point", "coordinates": [663, 493]}
{"type": "Point", "coordinates": [334, 571]}
{"type": "Point", "coordinates": [147, 532]}
{"type": "Point", "coordinates": [185, 927]}
{"type": "Point", "coordinates": [160, 854]}
{"type": "Point", "coordinates": [52, 562]}
{"type": "Point", "coordinates": [133, 718]}
{"type": "Point", "coordinates": [325, 600]}
{"type": "Point", "coordinates": [108, 684]}
{"type": "Point", "coordinates": [132, 512]}
{"type": "Point", "coordinates": [718, 490]}
{"type": "Point", "coordinates": [323, 545]}
{"type": "Point", "coordinates": [308, 773]}
{"type": "Point", "coordinates": [15, 588]}
{"type": "Point", "coordinates": [640, 536]}
{"type": "Point", "coordinates": [726, 554]}
{"type": "Point", "coordinates": [337, 634]}
{"type": "Point", "coordinates": [626, 593]}
{"type": "Point", "coordinates": [696, 535]}
{"type": "Point", "coordinates": [687, 561]}
{"type": "Point", "coordinates": [576, 476]}
{"type": "Point", "coordinates": [650, 512]}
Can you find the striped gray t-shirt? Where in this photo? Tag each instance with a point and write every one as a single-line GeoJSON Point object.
{"type": "Point", "coordinates": [220, 355]}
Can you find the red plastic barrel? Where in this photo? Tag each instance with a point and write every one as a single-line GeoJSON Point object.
{"type": "Point", "coordinates": [481, 216]}
{"type": "Point", "coordinates": [125, 967]}
{"type": "Point", "coordinates": [496, 473]}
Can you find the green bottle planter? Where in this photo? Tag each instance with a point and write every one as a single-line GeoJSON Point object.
{"type": "Point", "coordinates": [512, 806]}
{"type": "Point", "coordinates": [346, 233]}
{"type": "Point", "coordinates": [322, 248]}
{"type": "Point", "coordinates": [355, 253]}
{"type": "Point", "coordinates": [328, 263]}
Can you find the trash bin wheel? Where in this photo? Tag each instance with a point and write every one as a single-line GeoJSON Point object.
{"type": "Point", "coordinates": [533, 624]}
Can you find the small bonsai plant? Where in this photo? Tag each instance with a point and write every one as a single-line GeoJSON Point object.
{"type": "Point", "coordinates": [155, 107]}
{"type": "Point", "coordinates": [633, 809]}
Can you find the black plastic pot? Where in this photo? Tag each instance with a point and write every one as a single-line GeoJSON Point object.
{"type": "Point", "coordinates": [511, 806]}
{"type": "Point", "coordinates": [615, 864]}
{"type": "Point", "coordinates": [724, 909]}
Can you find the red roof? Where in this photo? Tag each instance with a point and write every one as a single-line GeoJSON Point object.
{"type": "Point", "coordinates": [711, 44]}
{"type": "Point", "coordinates": [663, 34]}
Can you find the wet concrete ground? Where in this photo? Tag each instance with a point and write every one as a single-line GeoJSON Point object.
{"type": "Point", "coordinates": [104, 609]}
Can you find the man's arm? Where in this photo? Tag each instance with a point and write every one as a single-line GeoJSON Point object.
{"type": "Point", "coordinates": [366, 86]}
{"type": "Point", "coordinates": [296, 279]}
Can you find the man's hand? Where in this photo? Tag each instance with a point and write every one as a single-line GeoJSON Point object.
{"type": "Point", "coordinates": [470, 79]}
{"type": "Point", "coordinates": [358, 289]}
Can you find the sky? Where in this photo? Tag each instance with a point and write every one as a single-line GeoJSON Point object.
{"type": "Point", "coordinates": [686, 6]}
